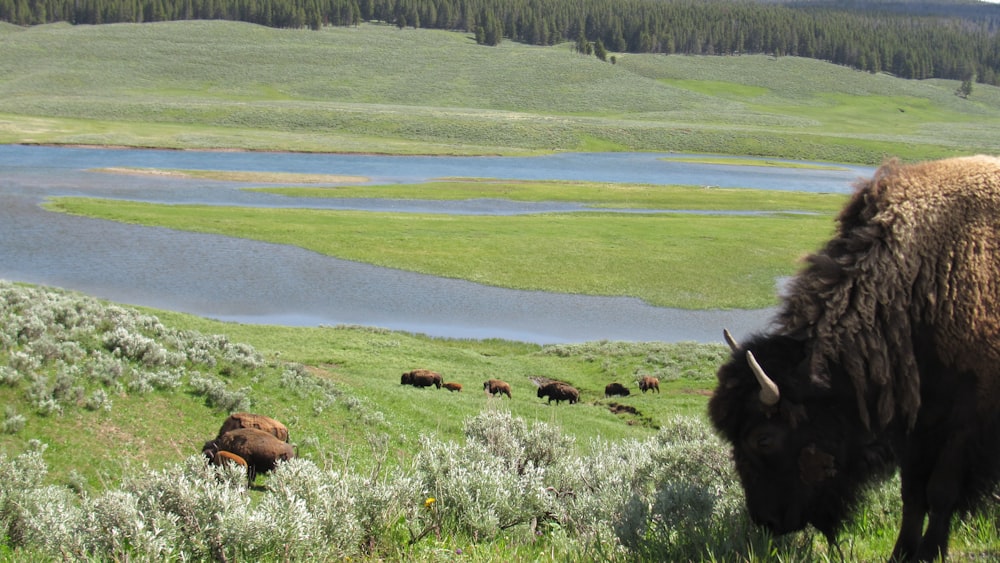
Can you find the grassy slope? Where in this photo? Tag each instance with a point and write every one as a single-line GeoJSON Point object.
{"type": "Point", "coordinates": [225, 84]}
{"type": "Point", "coordinates": [163, 427]}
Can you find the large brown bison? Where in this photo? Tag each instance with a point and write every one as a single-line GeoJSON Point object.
{"type": "Point", "coordinates": [258, 421]}
{"type": "Point", "coordinates": [558, 391]}
{"type": "Point", "coordinates": [421, 378]}
{"type": "Point", "coordinates": [260, 449]}
{"type": "Point", "coordinates": [649, 383]}
{"type": "Point", "coordinates": [885, 352]}
{"type": "Point", "coordinates": [613, 389]}
{"type": "Point", "coordinates": [496, 387]}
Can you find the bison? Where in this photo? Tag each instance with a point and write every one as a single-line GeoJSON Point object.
{"type": "Point", "coordinates": [452, 386]}
{"type": "Point", "coordinates": [558, 391]}
{"type": "Point", "coordinates": [884, 354]}
{"type": "Point", "coordinates": [421, 378]}
{"type": "Point", "coordinates": [261, 450]}
{"type": "Point", "coordinates": [258, 421]}
{"type": "Point", "coordinates": [649, 383]}
{"type": "Point", "coordinates": [613, 389]}
{"type": "Point", "coordinates": [496, 387]}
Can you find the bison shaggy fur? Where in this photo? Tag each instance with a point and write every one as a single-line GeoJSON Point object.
{"type": "Point", "coordinates": [497, 387]}
{"type": "Point", "coordinates": [558, 391]}
{"type": "Point", "coordinates": [884, 354]}
{"type": "Point", "coordinates": [261, 450]}
{"type": "Point", "coordinates": [421, 378]}
{"type": "Point", "coordinates": [616, 389]}
{"type": "Point", "coordinates": [649, 383]}
{"type": "Point", "coordinates": [258, 421]}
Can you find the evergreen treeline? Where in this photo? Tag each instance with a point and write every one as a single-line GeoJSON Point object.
{"type": "Point", "coordinates": [956, 40]}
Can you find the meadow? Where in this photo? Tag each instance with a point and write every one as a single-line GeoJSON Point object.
{"type": "Point", "coordinates": [374, 88]}
{"type": "Point", "coordinates": [106, 406]}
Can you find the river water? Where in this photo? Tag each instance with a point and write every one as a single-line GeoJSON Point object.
{"type": "Point", "coordinates": [253, 282]}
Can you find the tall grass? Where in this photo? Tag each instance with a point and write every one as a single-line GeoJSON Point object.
{"type": "Point", "coordinates": [380, 89]}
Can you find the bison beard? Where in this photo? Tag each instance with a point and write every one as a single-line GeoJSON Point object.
{"type": "Point", "coordinates": [884, 354]}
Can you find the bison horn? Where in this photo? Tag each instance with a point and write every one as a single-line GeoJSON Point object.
{"type": "Point", "coordinates": [769, 394]}
{"type": "Point", "coordinates": [730, 340]}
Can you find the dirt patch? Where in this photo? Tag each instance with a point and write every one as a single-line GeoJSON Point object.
{"type": "Point", "coordinates": [618, 408]}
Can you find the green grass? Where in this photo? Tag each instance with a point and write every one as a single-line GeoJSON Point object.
{"type": "Point", "coordinates": [212, 84]}
{"type": "Point", "coordinates": [659, 258]}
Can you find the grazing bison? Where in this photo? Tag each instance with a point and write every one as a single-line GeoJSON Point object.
{"type": "Point", "coordinates": [421, 378]}
{"type": "Point", "coordinates": [649, 383]}
{"type": "Point", "coordinates": [557, 391]}
{"type": "Point", "coordinates": [885, 353]}
{"type": "Point", "coordinates": [613, 389]}
{"type": "Point", "coordinates": [260, 449]}
{"type": "Point", "coordinates": [452, 386]}
{"type": "Point", "coordinates": [496, 387]}
{"type": "Point", "coordinates": [258, 421]}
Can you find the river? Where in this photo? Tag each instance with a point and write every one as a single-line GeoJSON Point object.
{"type": "Point", "coordinates": [252, 282]}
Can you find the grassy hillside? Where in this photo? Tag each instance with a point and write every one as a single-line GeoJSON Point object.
{"type": "Point", "coordinates": [211, 84]}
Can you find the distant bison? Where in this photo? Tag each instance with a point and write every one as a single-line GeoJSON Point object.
{"type": "Point", "coordinates": [496, 387]}
{"type": "Point", "coordinates": [421, 378]}
{"type": "Point", "coordinates": [261, 450]}
{"type": "Point", "coordinates": [452, 386]}
{"type": "Point", "coordinates": [613, 389]}
{"type": "Point", "coordinates": [258, 421]}
{"type": "Point", "coordinates": [557, 391]}
{"type": "Point", "coordinates": [649, 383]}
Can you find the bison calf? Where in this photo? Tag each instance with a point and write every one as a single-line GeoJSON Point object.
{"type": "Point", "coordinates": [220, 458]}
{"type": "Point", "coordinates": [452, 386]}
{"type": "Point", "coordinates": [557, 391]}
{"type": "Point", "coordinates": [496, 387]}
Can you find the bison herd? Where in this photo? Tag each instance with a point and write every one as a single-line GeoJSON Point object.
{"type": "Point", "coordinates": [257, 443]}
{"type": "Point", "coordinates": [557, 391]}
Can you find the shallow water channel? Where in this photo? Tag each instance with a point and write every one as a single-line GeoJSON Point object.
{"type": "Point", "coordinates": [253, 282]}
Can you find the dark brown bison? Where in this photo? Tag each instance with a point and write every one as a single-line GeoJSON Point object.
{"type": "Point", "coordinates": [260, 449]}
{"type": "Point", "coordinates": [885, 353]}
{"type": "Point", "coordinates": [558, 391]}
{"type": "Point", "coordinates": [452, 386]}
{"type": "Point", "coordinates": [613, 389]}
{"type": "Point", "coordinates": [496, 387]}
{"type": "Point", "coordinates": [258, 421]}
{"type": "Point", "coordinates": [649, 383]}
{"type": "Point", "coordinates": [421, 378]}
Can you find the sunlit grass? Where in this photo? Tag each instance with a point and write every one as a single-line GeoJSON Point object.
{"type": "Point", "coordinates": [657, 257]}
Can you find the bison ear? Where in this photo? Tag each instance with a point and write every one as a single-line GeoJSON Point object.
{"type": "Point", "coordinates": [815, 465]}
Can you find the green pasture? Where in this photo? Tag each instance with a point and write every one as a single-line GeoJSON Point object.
{"type": "Point", "coordinates": [374, 88]}
{"type": "Point", "coordinates": [673, 259]}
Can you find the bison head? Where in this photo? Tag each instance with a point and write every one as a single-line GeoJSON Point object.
{"type": "Point", "coordinates": [800, 447]}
